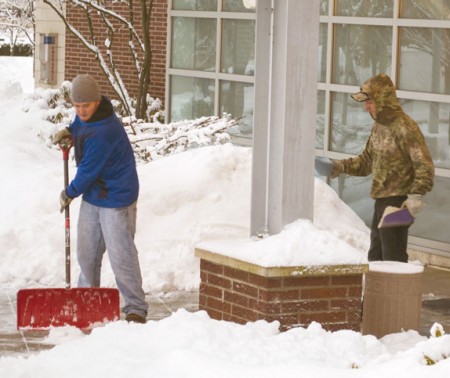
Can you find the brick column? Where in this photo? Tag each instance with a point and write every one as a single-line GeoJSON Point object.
{"type": "Point", "coordinates": [239, 291]}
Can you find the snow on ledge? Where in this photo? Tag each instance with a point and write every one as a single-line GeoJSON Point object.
{"type": "Point", "coordinates": [394, 267]}
{"type": "Point", "coordinates": [301, 243]}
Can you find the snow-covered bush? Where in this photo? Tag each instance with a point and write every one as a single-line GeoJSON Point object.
{"type": "Point", "coordinates": [150, 138]}
{"type": "Point", "coordinates": [154, 140]}
{"type": "Point", "coordinates": [435, 352]}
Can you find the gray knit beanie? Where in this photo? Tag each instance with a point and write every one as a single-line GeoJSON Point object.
{"type": "Point", "coordinates": [85, 89]}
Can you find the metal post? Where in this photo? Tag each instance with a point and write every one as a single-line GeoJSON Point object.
{"type": "Point", "coordinates": [287, 43]}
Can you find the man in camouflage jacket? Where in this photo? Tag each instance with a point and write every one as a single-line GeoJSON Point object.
{"type": "Point", "coordinates": [398, 159]}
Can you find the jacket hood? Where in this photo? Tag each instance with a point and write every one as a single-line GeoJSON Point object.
{"type": "Point", "coordinates": [104, 110]}
{"type": "Point", "coordinates": [382, 91]}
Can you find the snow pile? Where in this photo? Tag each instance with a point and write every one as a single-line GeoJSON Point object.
{"type": "Point", "coordinates": [192, 345]}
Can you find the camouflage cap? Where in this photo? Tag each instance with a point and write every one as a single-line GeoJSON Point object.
{"type": "Point", "coordinates": [360, 96]}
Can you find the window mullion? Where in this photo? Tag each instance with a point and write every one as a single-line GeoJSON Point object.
{"type": "Point", "coordinates": [218, 63]}
{"type": "Point", "coordinates": [395, 42]}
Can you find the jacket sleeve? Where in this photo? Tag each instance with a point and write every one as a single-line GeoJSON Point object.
{"type": "Point", "coordinates": [360, 165]}
{"type": "Point", "coordinates": [95, 155]}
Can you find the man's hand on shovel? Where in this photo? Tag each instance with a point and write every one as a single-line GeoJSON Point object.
{"type": "Point", "coordinates": [64, 200]}
{"type": "Point", "coordinates": [63, 137]}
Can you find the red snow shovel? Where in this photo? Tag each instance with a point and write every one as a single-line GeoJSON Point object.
{"type": "Point", "coordinates": [81, 307]}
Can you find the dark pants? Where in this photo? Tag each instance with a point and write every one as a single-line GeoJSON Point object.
{"type": "Point", "coordinates": [387, 243]}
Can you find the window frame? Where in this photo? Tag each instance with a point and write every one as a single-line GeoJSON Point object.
{"type": "Point", "coordinates": [217, 75]}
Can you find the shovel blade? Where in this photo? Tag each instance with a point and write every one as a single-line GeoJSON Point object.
{"type": "Point", "coordinates": [80, 307]}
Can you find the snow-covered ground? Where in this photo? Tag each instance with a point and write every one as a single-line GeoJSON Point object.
{"type": "Point", "coordinates": [195, 196]}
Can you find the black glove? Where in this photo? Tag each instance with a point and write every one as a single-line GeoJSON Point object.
{"type": "Point", "coordinates": [60, 135]}
{"type": "Point", "coordinates": [64, 200]}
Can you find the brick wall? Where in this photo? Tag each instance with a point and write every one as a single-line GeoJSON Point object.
{"type": "Point", "coordinates": [158, 32]}
{"type": "Point", "coordinates": [80, 60]}
{"type": "Point", "coordinates": [233, 294]}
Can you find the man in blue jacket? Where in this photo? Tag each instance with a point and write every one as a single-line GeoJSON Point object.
{"type": "Point", "coordinates": [107, 180]}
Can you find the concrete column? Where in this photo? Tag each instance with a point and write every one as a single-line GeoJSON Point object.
{"type": "Point", "coordinates": [48, 23]}
{"type": "Point", "coordinates": [285, 113]}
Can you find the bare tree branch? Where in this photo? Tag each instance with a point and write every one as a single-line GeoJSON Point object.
{"type": "Point", "coordinates": [139, 44]}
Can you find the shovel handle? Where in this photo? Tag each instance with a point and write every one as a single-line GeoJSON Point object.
{"type": "Point", "coordinates": [65, 146]}
{"type": "Point", "coordinates": [67, 227]}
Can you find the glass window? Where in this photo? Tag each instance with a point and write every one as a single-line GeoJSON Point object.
{"type": "Point", "coordinates": [320, 119]}
{"type": "Point", "coordinates": [355, 192]}
{"type": "Point", "coordinates": [239, 5]}
{"type": "Point", "coordinates": [433, 119]}
{"type": "Point", "coordinates": [238, 47]}
{"type": "Point", "coordinates": [425, 9]}
{"type": "Point", "coordinates": [194, 43]}
{"type": "Point", "coordinates": [198, 5]}
{"type": "Point", "coordinates": [434, 216]}
{"type": "Point", "coordinates": [351, 124]}
{"type": "Point", "coordinates": [323, 43]}
{"type": "Point", "coordinates": [324, 7]}
{"type": "Point", "coordinates": [191, 98]}
{"type": "Point", "coordinates": [238, 99]}
{"type": "Point", "coordinates": [368, 54]}
{"type": "Point", "coordinates": [424, 60]}
{"type": "Point", "coordinates": [358, 8]}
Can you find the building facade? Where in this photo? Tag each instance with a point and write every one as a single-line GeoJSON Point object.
{"type": "Point", "coordinates": [73, 57]}
{"type": "Point", "coordinates": [204, 63]}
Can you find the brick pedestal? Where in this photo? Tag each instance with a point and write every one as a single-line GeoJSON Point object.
{"type": "Point", "coordinates": [238, 291]}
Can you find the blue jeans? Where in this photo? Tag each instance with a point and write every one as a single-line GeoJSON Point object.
{"type": "Point", "coordinates": [101, 229]}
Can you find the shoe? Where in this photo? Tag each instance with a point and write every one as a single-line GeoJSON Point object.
{"type": "Point", "coordinates": [135, 318]}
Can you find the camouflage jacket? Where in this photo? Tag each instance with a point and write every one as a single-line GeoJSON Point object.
{"type": "Point", "coordinates": [395, 153]}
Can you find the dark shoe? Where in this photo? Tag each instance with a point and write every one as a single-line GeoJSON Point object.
{"type": "Point", "coordinates": [135, 318]}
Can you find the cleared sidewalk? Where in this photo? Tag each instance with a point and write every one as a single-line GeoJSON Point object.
{"type": "Point", "coordinates": [435, 308]}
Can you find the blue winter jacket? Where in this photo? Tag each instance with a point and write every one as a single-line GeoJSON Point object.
{"type": "Point", "coordinates": [106, 175]}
